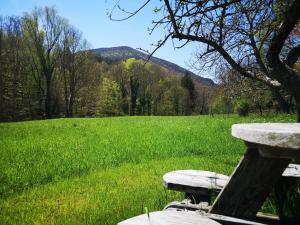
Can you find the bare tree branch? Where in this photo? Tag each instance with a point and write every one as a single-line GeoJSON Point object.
{"type": "Point", "coordinates": [131, 13]}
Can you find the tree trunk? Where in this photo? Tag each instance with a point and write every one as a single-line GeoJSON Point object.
{"type": "Point", "coordinates": [260, 109]}
{"type": "Point", "coordinates": [48, 111]}
{"type": "Point", "coordinates": [284, 105]}
{"type": "Point", "coordinates": [133, 105]}
{"type": "Point", "coordinates": [297, 100]}
{"type": "Point", "coordinates": [290, 80]}
{"type": "Point", "coordinates": [66, 93]}
{"type": "Point", "coordinates": [1, 92]}
{"type": "Point", "coordinates": [149, 107]}
{"type": "Point", "coordinates": [1, 77]}
{"type": "Point", "coordinates": [71, 103]}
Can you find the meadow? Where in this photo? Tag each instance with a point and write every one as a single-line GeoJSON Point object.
{"type": "Point", "coordinates": [103, 170]}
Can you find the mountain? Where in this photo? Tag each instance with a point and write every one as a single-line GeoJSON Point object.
{"type": "Point", "coordinates": [124, 52]}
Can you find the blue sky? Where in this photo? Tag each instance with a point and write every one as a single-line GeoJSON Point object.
{"type": "Point", "coordinates": [89, 16]}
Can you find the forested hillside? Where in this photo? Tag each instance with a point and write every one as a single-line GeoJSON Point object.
{"type": "Point", "coordinates": [47, 71]}
{"type": "Point", "coordinates": [124, 52]}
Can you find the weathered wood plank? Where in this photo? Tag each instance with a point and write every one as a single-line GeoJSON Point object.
{"type": "Point", "coordinates": [170, 218]}
{"type": "Point", "coordinates": [199, 181]}
{"type": "Point", "coordinates": [194, 181]}
{"type": "Point", "coordinates": [250, 184]}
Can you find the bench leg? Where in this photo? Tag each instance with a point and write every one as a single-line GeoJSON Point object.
{"type": "Point", "coordinates": [281, 189]}
{"type": "Point", "coordinates": [250, 184]}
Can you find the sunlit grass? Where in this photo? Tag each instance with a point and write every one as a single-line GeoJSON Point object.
{"type": "Point", "coordinates": [103, 170]}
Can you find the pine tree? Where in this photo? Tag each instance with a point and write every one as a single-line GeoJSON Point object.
{"type": "Point", "coordinates": [188, 84]}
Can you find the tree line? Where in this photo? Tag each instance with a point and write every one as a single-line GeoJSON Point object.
{"type": "Point", "coordinates": [46, 71]}
{"type": "Point", "coordinates": [244, 95]}
{"type": "Point", "coordinates": [258, 39]}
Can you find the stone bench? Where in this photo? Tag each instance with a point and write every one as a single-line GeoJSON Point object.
{"type": "Point", "coordinates": [170, 218]}
{"type": "Point", "coordinates": [175, 217]}
{"type": "Point", "coordinates": [199, 185]}
{"type": "Point", "coordinates": [270, 149]}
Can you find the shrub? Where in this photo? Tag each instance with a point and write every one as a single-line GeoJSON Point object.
{"type": "Point", "coordinates": [222, 105]}
{"type": "Point", "coordinates": [242, 108]}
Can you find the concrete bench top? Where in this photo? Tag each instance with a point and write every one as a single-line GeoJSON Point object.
{"type": "Point", "coordinates": [280, 135]}
{"type": "Point", "coordinates": [175, 217]}
{"type": "Point", "coordinates": [193, 181]}
{"type": "Point", "coordinates": [293, 170]}
{"type": "Point", "coordinates": [170, 218]}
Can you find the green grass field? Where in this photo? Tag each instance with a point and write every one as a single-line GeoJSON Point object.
{"type": "Point", "coordinates": [103, 170]}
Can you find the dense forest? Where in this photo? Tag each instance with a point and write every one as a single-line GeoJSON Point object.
{"type": "Point", "coordinates": [47, 71]}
